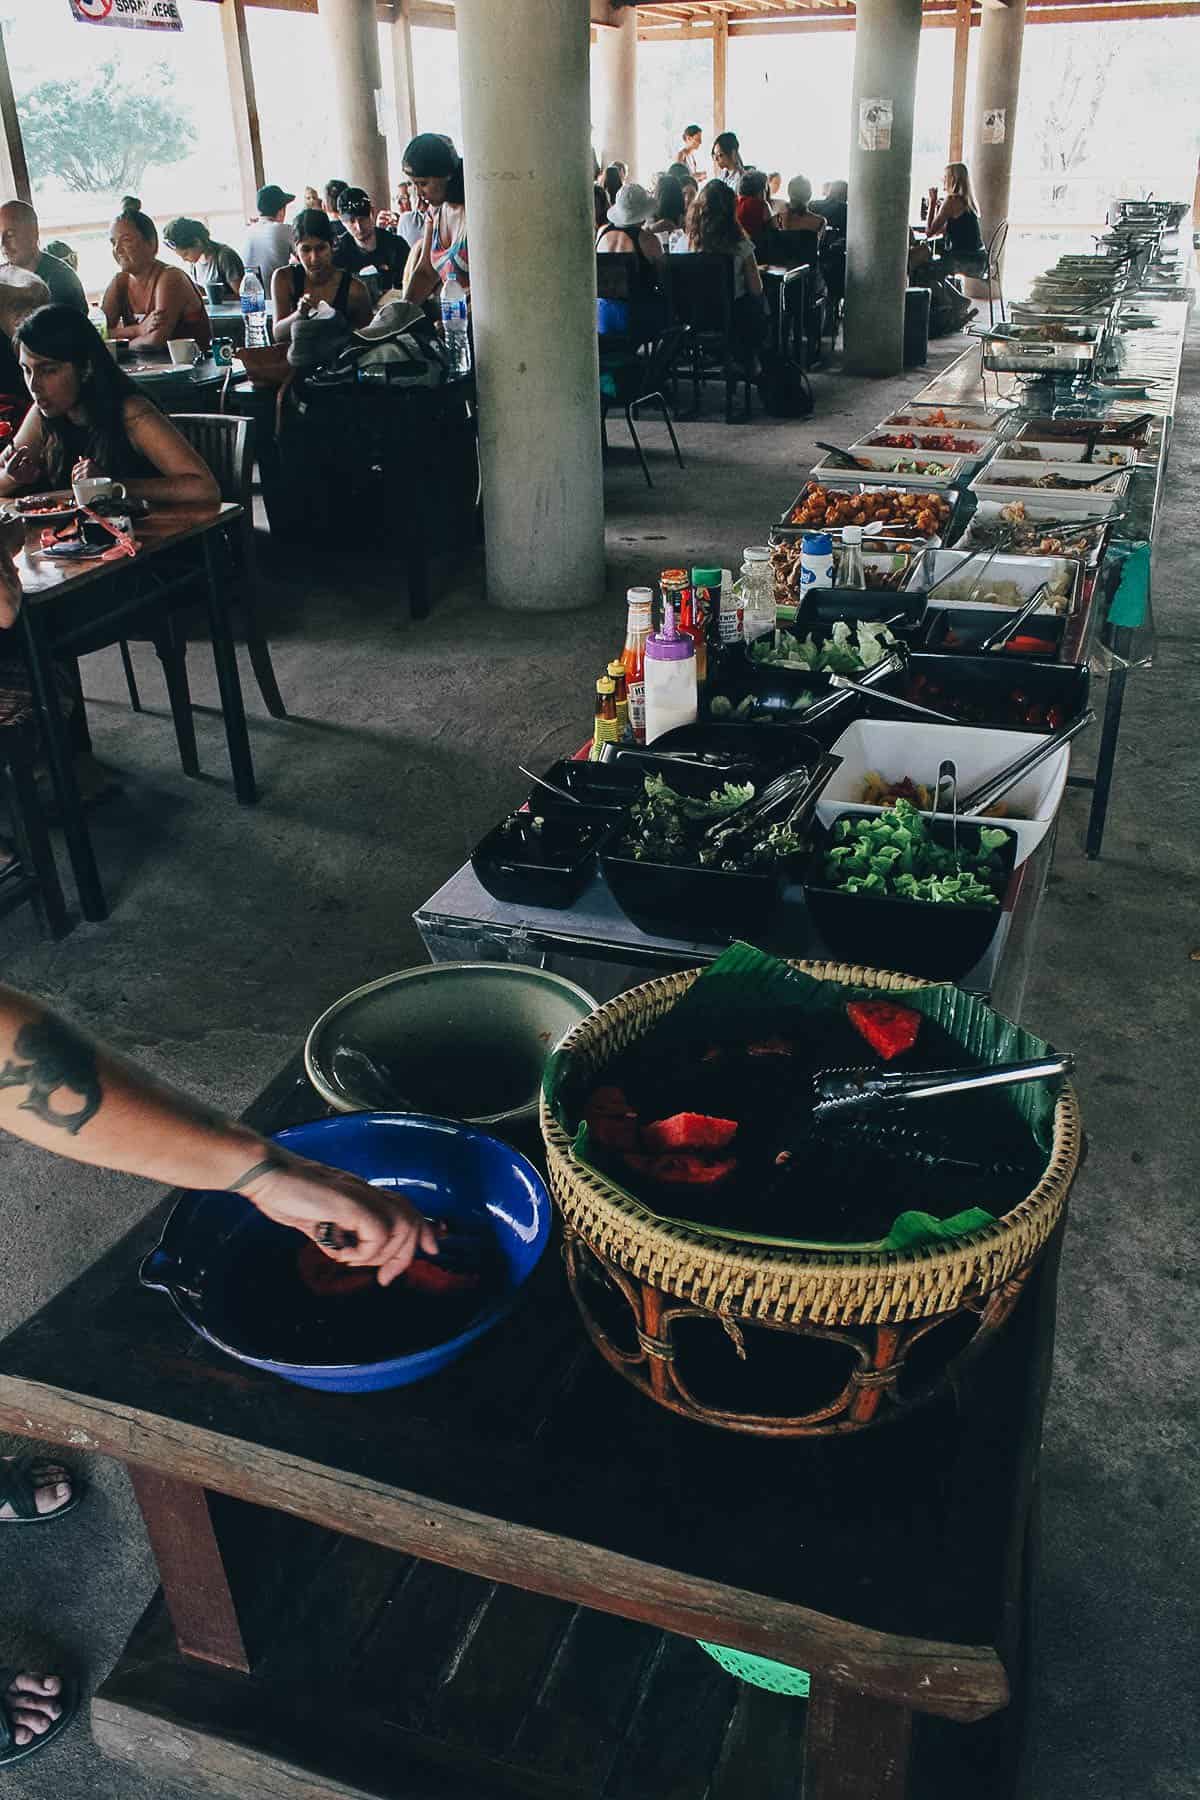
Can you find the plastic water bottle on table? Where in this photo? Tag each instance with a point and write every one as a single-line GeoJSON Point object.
{"type": "Point", "coordinates": [254, 311]}
{"type": "Point", "coordinates": [454, 325]}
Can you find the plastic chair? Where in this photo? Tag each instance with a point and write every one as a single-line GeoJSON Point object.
{"type": "Point", "coordinates": [225, 442]}
{"type": "Point", "coordinates": [995, 253]}
{"type": "Point", "coordinates": [701, 289]}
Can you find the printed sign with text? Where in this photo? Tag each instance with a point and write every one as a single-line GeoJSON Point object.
{"type": "Point", "coordinates": [137, 15]}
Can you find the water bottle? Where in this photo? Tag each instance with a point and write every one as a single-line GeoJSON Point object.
{"type": "Point", "coordinates": [254, 311]}
{"type": "Point", "coordinates": [99, 319]}
{"type": "Point", "coordinates": [454, 326]}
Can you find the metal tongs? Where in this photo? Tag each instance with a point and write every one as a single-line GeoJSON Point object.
{"type": "Point", "coordinates": [803, 787]}
{"type": "Point", "coordinates": [996, 640]}
{"type": "Point", "coordinates": [997, 785]}
{"type": "Point", "coordinates": [891, 664]}
{"type": "Point", "coordinates": [837, 1091]}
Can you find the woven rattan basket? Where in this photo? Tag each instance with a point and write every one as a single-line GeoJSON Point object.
{"type": "Point", "coordinates": [873, 1306]}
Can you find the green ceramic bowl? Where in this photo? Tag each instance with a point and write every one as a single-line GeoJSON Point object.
{"type": "Point", "coordinates": [461, 1040]}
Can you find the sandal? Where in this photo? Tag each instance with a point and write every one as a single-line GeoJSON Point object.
{"type": "Point", "coordinates": [10, 1750]}
{"type": "Point", "coordinates": [19, 1489]}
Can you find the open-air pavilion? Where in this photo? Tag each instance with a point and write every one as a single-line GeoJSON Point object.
{"type": "Point", "coordinates": [358, 1631]}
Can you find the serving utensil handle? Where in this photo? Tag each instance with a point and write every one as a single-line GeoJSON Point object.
{"type": "Point", "coordinates": [997, 785]}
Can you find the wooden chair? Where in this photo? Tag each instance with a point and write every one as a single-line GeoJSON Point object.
{"type": "Point", "coordinates": [226, 444]}
{"type": "Point", "coordinates": [702, 298]}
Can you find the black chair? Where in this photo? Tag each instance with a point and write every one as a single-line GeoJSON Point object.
{"type": "Point", "coordinates": [635, 369]}
{"type": "Point", "coordinates": [701, 289]}
{"type": "Point", "coordinates": [833, 268]}
{"type": "Point", "coordinates": [795, 250]}
{"type": "Point", "coordinates": [33, 877]}
{"type": "Point", "coordinates": [788, 249]}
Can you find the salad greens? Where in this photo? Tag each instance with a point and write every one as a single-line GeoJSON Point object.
{"type": "Point", "coordinates": [894, 857]}
{"type": "Point", "coordinates": [748, 709]}
{"type": "Point", "coordinates": [667, 827]}
{"type": "Point", "coordinates": [847, 649]}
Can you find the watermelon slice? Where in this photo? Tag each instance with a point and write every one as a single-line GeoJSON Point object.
{"type": "Point", "coordinates": [888, 1028]}
{"type": "Point", "coordinates": [689, 1131]}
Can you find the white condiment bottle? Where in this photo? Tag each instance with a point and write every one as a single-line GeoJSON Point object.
{"type": "Point", "coordinates": [671, 696]}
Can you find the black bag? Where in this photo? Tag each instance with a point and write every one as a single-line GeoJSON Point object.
{"type": "Point", "coordinates": [783, 387]}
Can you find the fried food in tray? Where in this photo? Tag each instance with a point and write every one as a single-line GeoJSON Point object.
{"type": "Point", "coordinates": [822, 507]}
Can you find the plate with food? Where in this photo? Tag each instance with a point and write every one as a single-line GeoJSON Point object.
{"type": "Point", "coordinates": [926, 443]}
{"type": "Point", "coordinates": [1002, 584]}
{"type": "Point", "coordinates": [1066, 450]}
{"type": "Point", "coordinates": [926, 417]}
{"type": "Point", "coordinates": [1036, 527]}
{"type": "Point", "coordinates": [42, 509]}
{"type": "Point", "coordinates": [895, 511]}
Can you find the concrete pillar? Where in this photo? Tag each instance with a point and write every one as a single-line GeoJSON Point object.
{"type": "Point", "coordinates": [523, 69]}
{"type": "Point", "coordinates": [997, 86]}
{"type": "Point", "coordinates": [887, 37]}
{"type": "Point", "coordinates": [352, 39]}
{"type": "Point", "coordinates": [616, 58]}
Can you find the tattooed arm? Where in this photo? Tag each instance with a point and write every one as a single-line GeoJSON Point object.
{"type": "Point", "coordinates": [67, 1094]}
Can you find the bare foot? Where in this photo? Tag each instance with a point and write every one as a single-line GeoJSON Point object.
{"type": "Point", "coordinates": [52, 1484]}
{"type": "Point", "coordinates": [32, 1704]}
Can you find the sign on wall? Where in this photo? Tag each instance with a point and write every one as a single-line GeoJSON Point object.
{"type": "Point", "coordinates": [995, 122]}
{"type": "Point", "coordinates": [875, 119]}
{"type": "Point", "coordinates": [137, 15]}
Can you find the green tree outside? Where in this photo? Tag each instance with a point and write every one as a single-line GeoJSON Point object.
{"type": "Point", "coordinates": [100, 136]}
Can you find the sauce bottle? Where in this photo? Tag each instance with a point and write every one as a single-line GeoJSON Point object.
{"type": "Point", "coordinates": [706, 603]}
{"type": "Point", "coordinates": [604, 725]}
{"type": "Point", "coordinates": [641, 602]}
{"type": "Point", "coordinates": [616, 670]}
{"type": "Point", "coordinates": [671, 697]}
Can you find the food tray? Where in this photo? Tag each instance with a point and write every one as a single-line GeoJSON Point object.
{"type": "Point", "coordinates": [972, 446]}
{"type": "Point", "coordinates": [885, 466]}
{"type": "Point", "coordinates": [898, 748]}
{"type": "Point", "coordinates": [1005, 481]}
{"type": "Point", "coordinates": [1000, 358]}
{"type": "Point", "coordinates": [848, 482]}
{"type": "Point", "coordinates": [931, 417]}
{"type": "Point", "coordinates": [988, 514]}
{"type": "Point", "coordinates": [1063, 431]}
{"type": "Point", "coordinates": [1064, 450]}
{"type": "Point", "coordinates": [1026, 573]}
{"type": "Point", "coordinates": [980, 690]}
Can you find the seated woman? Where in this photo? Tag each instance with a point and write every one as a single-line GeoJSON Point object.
{"type": "Point", "coordinates": [298, 289]}
{"type": "Point", "coordinates": [954, 217]}
{"type": "Point", "coordinates": [20, 294]}
{"type": "Point", "coordinates": [797, 214]}
{"type": "Point", "coordinates": [754, 215]}
{"type": "Point", "coordinates": [670, 206]}
{"type": "Point", "coordinates": [713, 230]}
{"type": "Point", "coordinates": [833, 207]}
{"type": "Point", "coordinates": [614, 180]}
{"type": "Point", "coordinates": [88, 418]}
{"type": "Point", "coordinates": [146, 303]}
{"type": "Point", "coordinates": [212, 262]}
{"type": "Point", "coordinates": [727, 159]}
{"type": "Point", "coordinates": [435, 169]}
{"type": "Point", "coordinates": [626, 234]}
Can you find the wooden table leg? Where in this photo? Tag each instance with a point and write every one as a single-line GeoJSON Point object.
{"type": "Point", "coordinates": [195, 1583]}
{"type": "Point", "coordinates": [856, 1748]}
{"type": "Point", "coordinates": [62, 766]}
{"type": "Point", "coordinates": [229, 682]}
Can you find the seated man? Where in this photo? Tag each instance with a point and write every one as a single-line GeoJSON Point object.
{"type": "Point", "coordinates": [21, 246]}
{"type": "Point", "coordinates": [365, 245]}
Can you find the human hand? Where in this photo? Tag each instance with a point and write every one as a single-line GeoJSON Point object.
{"type": "Point", "coordinates": [86, 470]}
{"type": "Point", "coordinates": [373, 1226]}
{"type": "Point", "coordinates": [21, 466]}
{"type": "Point", "coordinates": [305, 307]}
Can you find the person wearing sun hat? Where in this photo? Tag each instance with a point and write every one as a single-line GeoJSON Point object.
{"type": "Point", "coordinates": [268, 244]}
{"type": "Point", "coordinates": [627, 234]}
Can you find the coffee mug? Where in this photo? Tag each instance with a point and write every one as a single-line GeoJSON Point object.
{"type": "Point", "coordinates": [90, 488]}
{"type": "Point", "coordinates": [215, 291]}
{"type": "Point", "coordinates": [183, 350]}
{"type": "Point", "coordinates": [222, 351]}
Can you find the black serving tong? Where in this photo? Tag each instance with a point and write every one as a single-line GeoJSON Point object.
{"type": "Point", "coordinates": [560, 793]}
{"type": "Point", "coordinates": [996, 640]}
{"type": "Point", "coordinates": [846, 458]}
{"type": "Point", "coordinates": [837, 1092]}
{"type": "Point", "coordinates": [802, 787]}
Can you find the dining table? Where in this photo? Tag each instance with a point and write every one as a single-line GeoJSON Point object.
{"type": "Point", "coordinates": [177, 387]}
{"type": "Point", "coordinates": [73, 606]}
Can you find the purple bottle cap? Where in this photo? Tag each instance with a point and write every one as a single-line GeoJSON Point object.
{"type": "Point", "coordinates": [669, 645]}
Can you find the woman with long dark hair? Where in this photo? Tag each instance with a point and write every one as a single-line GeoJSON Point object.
{"type": "Point", "coordinates": [727, 159]}
{"type": "Point", "coordinates": [89, 419]}
{"type": "Point", "coordinates": [713, 230]}
{"type": "Point", "coordinates": [298, 289]}
{"type": "Point", "coordinates": [435, 169]}
{"type": "Point", "coordinates": [670, 206]}
{"type": "Point", "coordinates": [146, 302]}
{"type": "Point", "coordinates": [192, 242]}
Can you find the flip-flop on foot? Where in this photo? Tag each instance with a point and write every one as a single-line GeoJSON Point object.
{"type": "Point", "coordinates": [12, 1752]}
{"type": "Point", "coordinates": [19, 1489]}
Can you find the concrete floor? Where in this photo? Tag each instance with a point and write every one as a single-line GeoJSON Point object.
{"type": "Point", "coordinates": [231, 929]}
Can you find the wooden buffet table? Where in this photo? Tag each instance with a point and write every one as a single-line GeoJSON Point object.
{"type": "Point", "coordinates": [488, 1584]}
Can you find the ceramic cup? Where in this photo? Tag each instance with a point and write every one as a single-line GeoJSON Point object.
{"type": "Point", "coordinates": [88, 489]}
{"type": "Point", "coordinates": [183, 350]}
{"type": "Point", "coordinates": [215, 291]}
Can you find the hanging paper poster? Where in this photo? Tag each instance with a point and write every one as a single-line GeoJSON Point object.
{"type": "Point", "coordinates": [138, 15]}
{"type": "Point", "coordinates": [875, 124]}
{"type": "Point", "coordinates": [994, 125]}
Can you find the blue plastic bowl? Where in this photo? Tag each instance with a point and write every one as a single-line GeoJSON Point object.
{"type": "Point", "coordinates": [452, 1171]}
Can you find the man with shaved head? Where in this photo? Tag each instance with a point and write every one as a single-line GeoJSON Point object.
{"type": "Point", "coordinates": [21, 246]}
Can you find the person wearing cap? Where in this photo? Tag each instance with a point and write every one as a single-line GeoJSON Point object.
{"type": "Point", "coordinates": [627, 234]}
{"type": "Point", "coordinates": [269, 242]}
{"type": "Point", "coordinates": [298, 289]}
{"type": "Point", "coordinates": [367, 249]}
{"type": "Point", "coordinates": [21, 246]}
{"type": "Point", "coordinates": [435, 169]}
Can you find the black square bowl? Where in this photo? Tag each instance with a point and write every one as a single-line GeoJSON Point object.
{"type": "Point", "coordinates": [918, 937]}
{"type": "Point", "coordinates": [959, 631]}
{"type": "Point", "coordinates": [546, 858]}
{"type": "Point", "coordinates": [709, 905]}
{"type": "Point", "coordinates": [593, 783]}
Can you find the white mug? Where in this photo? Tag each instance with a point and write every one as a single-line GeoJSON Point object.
{"type": "Point", "coordinates": [183, 350]}
{"type": "Point", "coordinates": [90, 488]}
